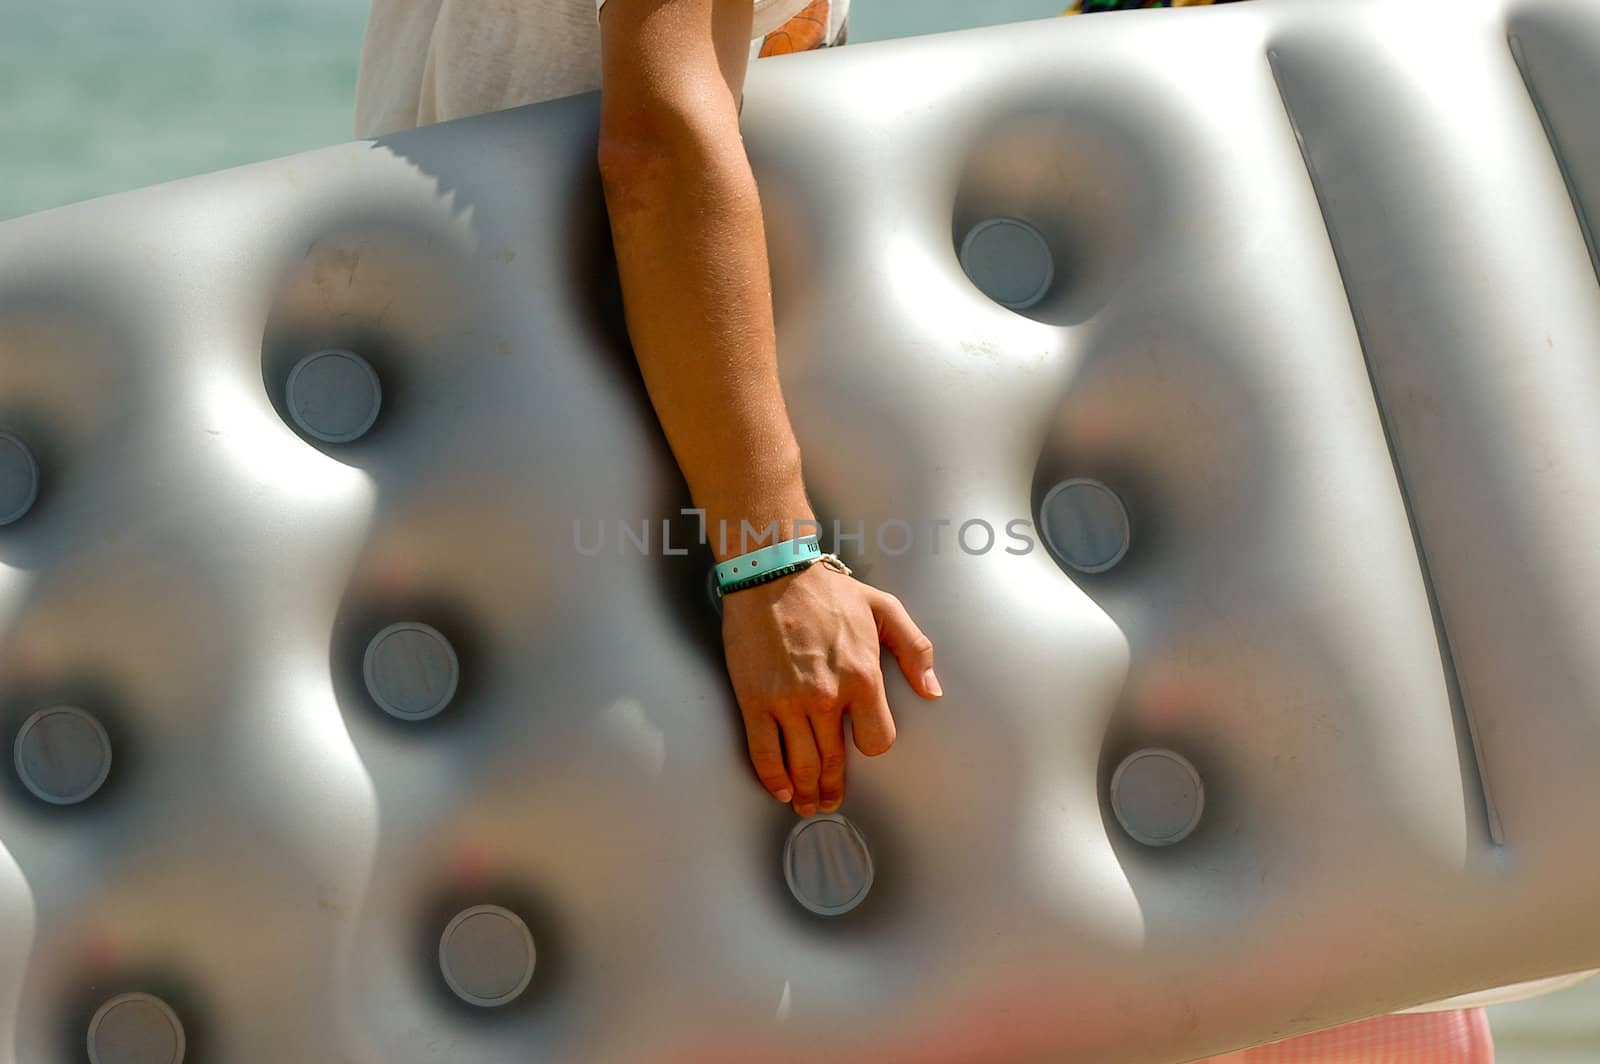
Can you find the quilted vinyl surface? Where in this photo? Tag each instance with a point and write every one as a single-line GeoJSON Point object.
{"type": "Point", "coordinates": [1292, 718]}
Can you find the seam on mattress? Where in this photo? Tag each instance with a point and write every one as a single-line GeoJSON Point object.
{"type": "Point", "coordinates": [1459, 705]}
{"type": "Point", "coordinates": [1584, 226]}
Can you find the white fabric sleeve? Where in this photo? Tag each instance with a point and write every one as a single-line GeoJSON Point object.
{"type": "Point", "coordinates": [770, 14]}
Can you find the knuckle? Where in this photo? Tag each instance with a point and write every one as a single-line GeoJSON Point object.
{"type": "Point", "coordinates": [833, 764]}
{"type": "Point", "coordinates": [921, 644]}
{"type": "Point", "coordinates": [861, 669]}
{"type": "Point", "coordinates": [821, 693]}
{"type": "Point", "coordinates": [789, 713]}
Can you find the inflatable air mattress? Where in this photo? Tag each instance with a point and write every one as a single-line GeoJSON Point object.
{"type": "Point", "coordinates": [1217, 388]}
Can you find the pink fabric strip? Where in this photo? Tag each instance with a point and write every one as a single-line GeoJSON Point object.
{"type": "Point", "coordinates": [1460, 1037]}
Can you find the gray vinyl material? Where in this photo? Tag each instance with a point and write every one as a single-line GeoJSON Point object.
{"type": "Point", "coordinates": [62, 755]}
{"type": "Point", "coordinates": [411, 670]}
{"type": "Point", "coordinates": [1323, 317]}
{"type": "Point", "coordinates": [487, 955]}
{"type": "Point", "coordinates": [1158, 797]}
{"type": "Point", "coordinates": [136, 1028]}
{"type": "Point", "coordinates": [1009, 261]}
{"type": "Point", "coordinates": [334, 395]}
{"type": "Point", "coordinates": [828, 865]}
{"type": "Point", "coordinates": [19, 478]}
{"type": "Point", "coordinates": [1085, 525]}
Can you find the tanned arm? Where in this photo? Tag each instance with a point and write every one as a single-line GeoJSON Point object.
{"type": "Point", "coordinates": [692, 254]}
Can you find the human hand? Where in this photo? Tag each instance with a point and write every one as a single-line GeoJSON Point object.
{"type": "Point", "coordinates": [802, 651]}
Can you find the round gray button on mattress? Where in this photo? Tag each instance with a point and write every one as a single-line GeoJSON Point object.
{"type": "Point", "coordinates": [487, 955]}
{"type": "Point", "coordinates": [411, 670]}
{"type": "Point", "coordinates": [334, 396]}
{"type": "Point", "coordinates": [136, 1028]}
{"type": "Point", "coordinates": [1085, 524]}
{"type": "Point", "coordinates": [19, 479]}
{"type": "Point", "coordinates": [827, 865]}
{"type": "Point", "coordinates": [1157, 797]}
{"type": "Point", "coordinates": [63, 755]}
{"type": "Point", "coordinates": [1009, 261]}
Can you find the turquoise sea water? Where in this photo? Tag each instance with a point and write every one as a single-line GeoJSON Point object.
{"type": "Point", "coordinates": [100, 96]}
{"type": "Point", "coordinates": [1562, 1028]}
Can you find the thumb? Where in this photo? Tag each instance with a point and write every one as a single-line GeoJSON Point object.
{"type": "Point", "coordinates": [913, 650]}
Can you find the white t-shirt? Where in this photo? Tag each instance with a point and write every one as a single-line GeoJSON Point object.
{"type": "Point", "coordinates": [427, 61]}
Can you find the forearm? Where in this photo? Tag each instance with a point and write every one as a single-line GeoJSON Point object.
{"type": "Point", "coordinates": [691, 252]}
{"type": "Point", "coordinates": [686, 221]}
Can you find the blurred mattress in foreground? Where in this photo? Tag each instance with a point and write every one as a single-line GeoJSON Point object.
{"type": "Point", "coordinates": [1256, 425]}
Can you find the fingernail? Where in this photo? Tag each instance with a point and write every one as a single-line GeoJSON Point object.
{"type": "Point", "coordinates": [806, 810]}
{"type": "Point", "coordinates": [829, 807]}
{"type": "Point", "coordinates": [785, 796]}
{"type": "Point", "coordinates": [930, 683]}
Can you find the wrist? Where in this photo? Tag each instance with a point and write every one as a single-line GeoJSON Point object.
{"type": "Point", "coordinates": [730, 535]}
{"type": "Point", "coordinates": [769, 564]}
{"type": "Point", "coordinates": [757, 513]}
{"type": "Point", "coordinates": [766, 563]}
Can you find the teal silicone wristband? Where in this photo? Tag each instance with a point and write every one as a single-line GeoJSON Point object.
{"type": "Point", "coordinates": [767, 563]}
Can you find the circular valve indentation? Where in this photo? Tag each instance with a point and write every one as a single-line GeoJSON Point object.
{"type": "Point", "coordinates": [827, 865]}
{"type": "Point", "coordinates": [136, 1028]}
{"type": "Point", "coordinates": [63, 755]}
{"type": "Point", "coordinates": [1009, 261]}
{"type": "Point", "coordinates": [411, 670]}
{"type": "Point", "coordinates": [334, 396]}
{"type": "Point", "coordinates": [1085, 525]}
{"type": "Point", "coordinates": [19, 479]}
{"type": "Point", "coordinates": [487, 955]}
{"type": "Point", "coordinates": [1157, 796]}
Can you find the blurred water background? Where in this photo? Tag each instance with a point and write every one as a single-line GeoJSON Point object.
{"type": "Point", "coordinates": [101, 96]}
